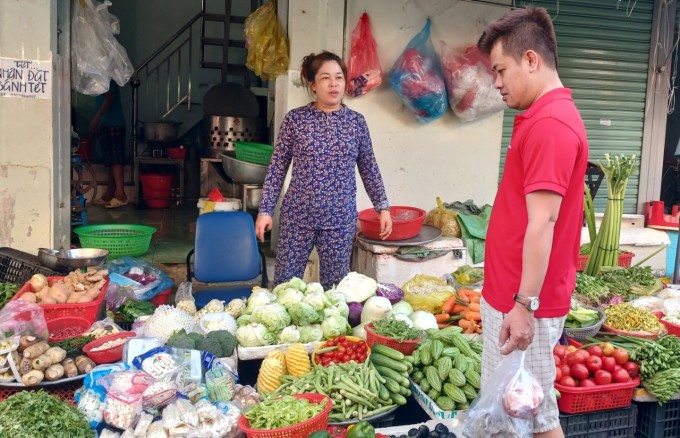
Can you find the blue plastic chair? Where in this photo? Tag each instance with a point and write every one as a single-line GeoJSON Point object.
{"type": "Point", "coordinates": [225, 250]}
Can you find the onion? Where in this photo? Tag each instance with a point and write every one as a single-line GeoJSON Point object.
{"type": "Point", "coordinates": [38, 282]}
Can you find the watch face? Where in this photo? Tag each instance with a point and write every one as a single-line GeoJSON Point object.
{"type": "Point", "coordinates": [533, 304]}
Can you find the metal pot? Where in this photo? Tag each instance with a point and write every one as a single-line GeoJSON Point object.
{"type": "Point", "coordinates": [160, 131]}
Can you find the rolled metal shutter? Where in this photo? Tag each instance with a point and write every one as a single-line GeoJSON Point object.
{"type": "Point", "coordinates": [603, 57]}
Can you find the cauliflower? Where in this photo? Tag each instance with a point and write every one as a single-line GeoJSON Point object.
{"type": "Point", "coordinates": [213, 306]}
{"type": "Point", "coordinates": [166, 320]}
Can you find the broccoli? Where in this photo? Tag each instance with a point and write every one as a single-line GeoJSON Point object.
{"type": "Point", "coordinates": [180, 339]}
{"type": "Point", "coordinates": [227, 341]}
{"type": "Point", "coordinates": [211, 345]}
{"type": "Point", "coordinates": [196, 336]}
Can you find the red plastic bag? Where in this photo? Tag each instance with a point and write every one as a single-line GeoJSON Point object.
{"type": "Point", "coordinates": [364, 65]}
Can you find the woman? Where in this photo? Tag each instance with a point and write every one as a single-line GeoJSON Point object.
{"type": "Point", "coordinates": [327, 140]}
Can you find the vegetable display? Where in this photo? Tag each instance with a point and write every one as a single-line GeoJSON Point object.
{"type": "Point", "coordinates": [591, 367]}
{"type": "Point", "coordinates": [23, 414]}
{"type": "Point", "coordinates": [467, 276]}
{"type": "Point", "coordinates": [632, 319]}
{"type": "Point", "coordinates": [221, 343]}
{"type": "Point", "coordinates": [76, 287]}
{"type": "Point", "coordinates": [132, 309]}
{"type": "Point", "coordinates": [396, 329]}
{"type": "Point", "coordinates": [634, 280]}
{"type": "Point", "coordinates": [341, 350]}
{"type": "Point", "coordinates": [282, 412]}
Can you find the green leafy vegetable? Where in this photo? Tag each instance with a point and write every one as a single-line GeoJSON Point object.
{"type": "Point", "coordinates": [36, 413]}
{"type": "Point", "coordinates": [591, 291]}
{"type": "Point", "coordinates": [132, 310]}
{"type": "Point", "coordinates": [636, 280]}
{"type": "Point", "coordinates": [74, 346]}
{"type": "Point", "coordinates": [7, 291]}
{"type": "Point", "coordinates": [396, 329]}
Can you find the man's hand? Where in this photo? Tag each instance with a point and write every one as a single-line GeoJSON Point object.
{"type": "Point", "coordinates": [385, 224]}
{"type": "Point", "coordinates": [517, 330]}
{"type": "Point", "coordinates": [262, 225]}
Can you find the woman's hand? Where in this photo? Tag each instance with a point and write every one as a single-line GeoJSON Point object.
{"type": "Point", "coordinates": [385, 224]}
{"type": "Point", "coordinates": [262, 225]}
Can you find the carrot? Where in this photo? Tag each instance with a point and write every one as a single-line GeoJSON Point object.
{"type": "Point", "coordinates": [449, 304]}
{"type": "Point", "coordinates": [476, 299]}
{"type": "Point", "coordinates": [474, 307]}
{"type": "Point", "coordinates": [458, 308]}
{"type": "Point", "coordinates": [473, 316]}
{"type": "Point", "coordinates": [464, 323]}
{"type": "Point", "coordinates": [442, 325]}
{"type": "Point", "coordinates": [442, 317]}
{"type": "Point", "coordinates": [469, 329]}
{"type": "Point", "coordinates": [463, 296]}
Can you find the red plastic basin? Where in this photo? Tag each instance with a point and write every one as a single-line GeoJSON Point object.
{"type": "Point", "coordinates": [406, 223]}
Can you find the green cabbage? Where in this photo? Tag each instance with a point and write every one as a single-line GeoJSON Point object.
{"type": "Point", "coordinates": [314, 287]}
{"type": "Point", "coordinates": [289, 335]}
{"type": "Point", "coordinates": [335, 324]}
{"type": "Point", "coordinates": [311, 333]}
{"type": "Point", "coordinates": [335, 297]}
{"type": "Point", "coordinates": [273, 316]}
{"type": "Point", "coordinates": [244, 320]}
{"type": "Point", "coordinates": [254, 335]}
{"type": "Point", "coordinates": [289, 297]}
{"type": "Point", "coordinates": [343, 309]}
{"type": "Point", "coordinates": [304, 314]}
{"type": "Point", "coordinates": [259, 297]}
{"type": "Point", "coordinates": [317, 300]}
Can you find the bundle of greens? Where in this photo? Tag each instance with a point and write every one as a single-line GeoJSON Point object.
{"type": "Point", "coordinates": [132, 309]}
{"type": "Point", "coordinates": [398, 329]}
{"type": "Point", "coordinates": [636, 280]}
{"type": "Point", "coordinates": [591, 291]}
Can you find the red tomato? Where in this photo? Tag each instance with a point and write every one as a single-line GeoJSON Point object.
{"type": "Point", "coordinates": [603, 377]}
{"type": "Point", "coordinates": [594, 363]}
{"type": "Point", "coordinates": [579, 371]}
{"type": "Point", "coordinates": [608, 363]}
{"type": "Point", "coordinates": [584, 353]}
{"type": "Point", "coordinates": [557, 359]}
{"type": "Point", "coordinates": [341, 348]}
{"type": "Point", "coordinates": [560, 351]}
{"type": "Point", "coordinates": [574, 357]}
{"type": "Point", "coordinates": [595, 350]}
{"type": "Point", "coordinates": [632, 368]}
{"type": "Point", "coordinates": [587, 383]}
{"type": "Point", "coordinates": [571, 348]}
{"type": "Point", "coordinates": [362, 357]}
{"type": "Point", "coordinates": [340, 339]}
{"type": "Point", "coordinates": [330, 343]}
{"type": "Point", "coordinates": [620, 376]}
{"type": "Point", "coordinates": [566, 370]}
{"type": "Point", "coordinates": [607, 348]}
{"type": "Point", "coordinates": [620, 356]}
{"type": "Point", "coordinates": [558, 374]}
{"type": "Point", "coordinates": [345, 358]}
{"type": "Point", "coordinates": [567, 381]}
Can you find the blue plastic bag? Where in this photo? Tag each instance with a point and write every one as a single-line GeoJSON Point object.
{"type": "Point", "coordinates": [417, 78]}
{"type": "Point", "coordinates": [153, 280]}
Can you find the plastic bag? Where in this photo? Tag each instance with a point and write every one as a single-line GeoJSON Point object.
{"type": "Point", "coordinates": [652, 304]}
{"type": "Point", "coordinates": [364, 69]}
{"type": "Point", "coordinates": [444, 219]}
{"type": "Point", "coordinates": [102, 328]}
{"type": "Point", "coordinates": [424, 292]}
{"type": "Point", "coordinates": [117, 295]}
{"type": "Point", "coordinates": [96, 55]}
{"type": "Point", "coordinates": [152, 280]}
{"type": "Point", "coordinates": [266, 42]}
{"type": "Point", "coordinates": [417, 78]}
{"type": "Point", "coordinates": [220, 380]}
{"type": "Point", "coordinates": [507, 413]}
{"type": "Point", "coordinates": [184, 298]}
{"type": "Point", "coordinates": [469, 83]}
{"type": "Point", "coordinates": [19, 318]}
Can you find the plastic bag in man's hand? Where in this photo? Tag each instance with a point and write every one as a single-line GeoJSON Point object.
{"type": "Point", "coordinates": [364, 69]}
{"type": "Point", "coordinates": [488, 416]}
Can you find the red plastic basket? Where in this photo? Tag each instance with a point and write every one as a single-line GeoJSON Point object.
{"type": "Point", "coordinates": [406, 223]}
{"type": "Point", "coordinates": [300, 430]}
{"type": "Point", "coordinates": [576, 400]}
{"type": "Point", "coordinates": [64, 392]}
{"type": "Point", "coordinates": [644, 335]}
{"type": "Point", "coordinates": [110, 355]}
{"type": "Point", "coordinates": [406, 347]}
{"type": "Point", "coordinates": [89, 311]}
{"type": "Point", "coordinates": [68, 327]}
{"type": "Point", "coordinates": [673, 329]}
{"type": "Point", "coordinates": [161, 298]}
{"type": "Point", "coordinates": [625, 259]}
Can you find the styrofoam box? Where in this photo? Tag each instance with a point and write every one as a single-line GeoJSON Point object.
{"type": "Point", "coordinates": [229, 204]}
{"type": "Point", "coordinates": [250, 353]}
{"type": "Point", "coordinates": [430, 407]}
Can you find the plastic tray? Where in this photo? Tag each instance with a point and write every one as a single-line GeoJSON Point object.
{"type": "Point", "coordinates": [250, 353]}
{"type": "Point", "coordinates": [405, 347]}
{"type": "Point", "coordinates": [89, 311]}
{"type": "Point", "coordinates": [161, 298]}
{"type": "Point", "coordinates": [644, 335]}
{"type": "Point", "coordinates": [402, 229]}
{"type": "Point", "coordinates": [375, 419]}
{"type": "Point", "coordinates": [673, 329]}
{"type": "Point", "coordinates": [576, 400]}
{"type": "Point", "coordinates": [612, 423]}
{"type": "Point", "coordinates": [301, 430]}
{"type": "Point", "coordinates": [658, 421]}
{"type": "Point", "coordinates": [18, 267]}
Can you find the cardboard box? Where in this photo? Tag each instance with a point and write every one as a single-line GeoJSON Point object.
{"type": "Point", "coordinates": [430, 407]}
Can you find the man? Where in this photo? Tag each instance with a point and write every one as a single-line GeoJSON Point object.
{"type": "Point", "coordinates": [535, 227]}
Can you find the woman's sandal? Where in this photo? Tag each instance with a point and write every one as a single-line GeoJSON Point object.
{"type": "Point", "coordinates": [115, 203]}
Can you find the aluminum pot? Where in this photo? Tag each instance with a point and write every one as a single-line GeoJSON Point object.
{"type": "Point", "coordinates": [160, 131]}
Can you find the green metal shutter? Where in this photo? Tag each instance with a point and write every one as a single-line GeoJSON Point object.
{"type": "Point", "coordinates": [603, 57]}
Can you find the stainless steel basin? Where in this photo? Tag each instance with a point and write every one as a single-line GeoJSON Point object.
{"type": "Point", "coordinates": [241, 171]}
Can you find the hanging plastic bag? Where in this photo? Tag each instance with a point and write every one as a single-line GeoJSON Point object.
{"type": "Point", "coordinates": [364, 69]}
{"type": "Point", "coordinates": [444, 219]}
{"type": "Point", "coordinates": [507, 413]}
{"type": "Point", "coordinates": [417, 78]}
{"type": "Point", "coordinates": [469, 83]}
{"type": "Point", "coordinates": [266, 42]}
{"type": "Point", "coordinates": [20, 318]}
{"type": "Point", "coordinates": [96, 55]}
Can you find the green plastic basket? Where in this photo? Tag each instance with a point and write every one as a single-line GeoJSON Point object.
{"type": "Point", "coordinates": [119, 240]}
{"type": "Point", "coordinates": [256, 153]}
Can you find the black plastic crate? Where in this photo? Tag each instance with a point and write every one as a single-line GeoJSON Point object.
{"type": "Point", "coordinates": [601, 424]}
{"type": "Point", "coordinates": [18, 267]}
{"type": "Point", "coordinates": [658, 421]}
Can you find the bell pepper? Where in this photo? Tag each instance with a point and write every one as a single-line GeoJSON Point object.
{"type": "Point", "coordinates": [320, 434]}
{"type": "Point", "coordinates": [363, 429]}
{"type": "Point", "coordinates": [336, 431]}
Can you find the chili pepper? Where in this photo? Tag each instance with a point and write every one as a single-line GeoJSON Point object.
{"type": "Point", "coordinates": [363, 429]}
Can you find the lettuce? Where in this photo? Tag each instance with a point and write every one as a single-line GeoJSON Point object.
{"type": "Point", "coordinates": [304, 314]}
{"type": "Point", "coordinates": [254, 335]}
{"type": "Point", "coordinates": [289, 335]}
{"type": "Point", "coordinates": [273, 316]}
{"type": "Point", "coordinates": [317, 300]}
{"type": "Point", "coordinates": [289, 297]}
{"type": "Point", "coordinates": [311, 333]}
{"type": "Point", "coordinates": [335, 324]}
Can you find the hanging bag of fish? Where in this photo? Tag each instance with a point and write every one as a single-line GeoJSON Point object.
{"type": "Point", "coordinates": [417, 78]}
{"type": "Point", "coordinates": [364, 69]}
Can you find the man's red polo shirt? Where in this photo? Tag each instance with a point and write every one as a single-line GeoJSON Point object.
{"type": "Point", "coordinates": [548, 151]}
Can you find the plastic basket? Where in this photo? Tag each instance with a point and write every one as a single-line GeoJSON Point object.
{"type": "Point", "coordinates": [580, 334]}
{"type": "Point", "coordinates": [18, 267]}
{"type": "Point", "coordinates": [68, 327]}
{"type": "Point", "coordinates": [407, 222]}
{"type": "Point", "coordinates": [406, 347]}
{"type": "Point", "coordinates": [604, 424]}
{"type": "Point", "coordinates": [625, 259]}
{"type": "Point", "coordinates": [119, 240]}
{"type": "Point", "coordinates": [658, 421]}
{"type": "Point", "coordinates": [644, 335]}
{"type": "Point", "coordinates": [576, 400]}
{"type": "Point", "coordinates": [161, 298]}
{"type": "Point", "coordinates": [110, 355]}
{"type": "Point", "coordinates": [349, 338]}
{"type": "Point", "coordinates": [300, 430]}
{"type": "Point", "coordinates": [256, 153]}
{"type": "Point", "coordinates": [673, 329]}
{"type": "Point", "coordinates": [89, 311]}
{"type": "Point", "coordinates": [64, 392]}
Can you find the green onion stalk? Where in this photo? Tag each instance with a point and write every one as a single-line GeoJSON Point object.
{"type": "Point", "coordinates": [589, 213]}
{"type": "Point", "coordinates": [604, 250]}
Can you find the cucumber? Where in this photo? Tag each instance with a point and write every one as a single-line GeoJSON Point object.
{"type": "Point", "coordinates": [383, 393]}
{"type": "Point", "coordinates": [379, 359]}
{"type": "Point", "coordinates": [394, 375]}
{"type": "Point", "coordinates": [398, 399]}
{"type": "Point", "coordinates": [404, 391]}
{"type": "Point", "coordinates": [392, 385]}
{"type": "Point", "coordinates": [387, 351]}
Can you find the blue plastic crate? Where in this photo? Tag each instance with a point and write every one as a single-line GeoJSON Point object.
{"type": "Point", "coordinates": [658, 421]}
{"type": "Point", "coordinates": [601, 424]}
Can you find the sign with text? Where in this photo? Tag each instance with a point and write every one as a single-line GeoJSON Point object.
{"type": "Point", "coordinates": [25, 78]}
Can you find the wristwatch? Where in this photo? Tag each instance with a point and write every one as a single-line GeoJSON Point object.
{"type": "Point", "coordinates": [531, 303]}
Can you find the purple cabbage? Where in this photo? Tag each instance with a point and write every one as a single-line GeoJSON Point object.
{"type": "Point", "coordinates": [390, 291]}
{"type": "Point", "coordinates": [354, 317]}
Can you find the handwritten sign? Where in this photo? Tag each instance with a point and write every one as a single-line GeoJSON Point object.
{"type": "Point", "coordinates": [24, 78]}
